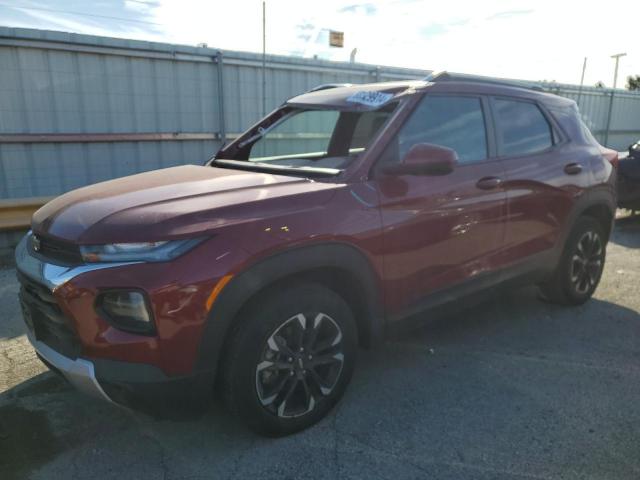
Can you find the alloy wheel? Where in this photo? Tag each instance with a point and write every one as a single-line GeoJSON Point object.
{"type": "Point", "coordinates": [300, 364]}
{"type": "Point", "coordinates": [587, 262]}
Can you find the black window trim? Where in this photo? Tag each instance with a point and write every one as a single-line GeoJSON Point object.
{"type": "Point", "coordinates": [490, 128]}
{"type": "Point", "coordinates": [554, 131]}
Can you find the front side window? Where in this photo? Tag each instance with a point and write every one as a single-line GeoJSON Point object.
{"type": "Point", "coordinates": [367, 125]}
{"type": "Point", "coordinates": [522, 128]}
{"type": "Point", "coordinates": [449, 121]}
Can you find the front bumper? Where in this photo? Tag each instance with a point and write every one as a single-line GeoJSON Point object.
{"type": "Point", "coordinates": [137, 386]}
{"type": "Point", "coordinates": [55, 329]}
{"type": "Point", "coordinates": [79, 372]}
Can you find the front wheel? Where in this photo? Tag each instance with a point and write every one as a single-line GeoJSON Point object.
{"type": "Point", "coordinates": [581, 265]}
{"type": "Point", "coordinates": [291, 359]}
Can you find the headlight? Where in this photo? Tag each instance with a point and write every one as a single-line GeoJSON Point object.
{"type": "Point", "coordinates": [138, 252]}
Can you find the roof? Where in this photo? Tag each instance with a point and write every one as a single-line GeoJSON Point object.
{"type": "Point", "coordinates": [465, 77]}
{"type": "Point", "coordinates": [342, 96]}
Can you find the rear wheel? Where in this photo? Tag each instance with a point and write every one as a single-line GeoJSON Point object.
{"type": "Point", "coordinates": [580, 268]}
{"type": "Point", "coordinates": [291, 359]}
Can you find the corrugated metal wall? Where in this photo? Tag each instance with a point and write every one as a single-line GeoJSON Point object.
{"type": "Point", "coordinates": [149, 105]}
{"type": "Point", "coordinates": [59, 83]}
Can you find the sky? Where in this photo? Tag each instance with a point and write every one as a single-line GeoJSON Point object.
{"type": "Point", "coordinates": [525, 39]}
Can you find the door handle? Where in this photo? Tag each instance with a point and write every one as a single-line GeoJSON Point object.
{"type": "Point", "coordinates": [572, 168]}
{"type": "Point", "coordinates": [488, 183]}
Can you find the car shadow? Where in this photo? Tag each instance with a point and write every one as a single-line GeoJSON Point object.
{"type": "Point", "coordinates": [391, 414]}
{"type": "Point", "coordinates": [627, 231]}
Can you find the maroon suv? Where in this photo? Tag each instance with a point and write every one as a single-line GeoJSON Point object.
{"type": "Point", "coordinates": [342, 212]}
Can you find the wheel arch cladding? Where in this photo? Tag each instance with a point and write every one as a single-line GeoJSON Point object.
{"type": "Point", "coordinates": [339, 267]}
{"type": "Point", "coordinates": [603, 214]}
{"type": "Point", "coordinates": [599, 204]}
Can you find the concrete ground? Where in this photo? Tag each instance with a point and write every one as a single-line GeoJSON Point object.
{"type": "Point", "coordinates": [514, 388]}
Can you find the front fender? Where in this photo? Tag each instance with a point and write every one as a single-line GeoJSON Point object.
{"type": "Point", "coordinates": [243, 286]}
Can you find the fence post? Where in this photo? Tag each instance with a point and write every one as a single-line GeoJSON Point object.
{"type": "Point", "coordinates": [606, 133]}
{"type": "Point", "coordinates": [221, 117]}
{"type": "Point", "coordinates": [376, 74]}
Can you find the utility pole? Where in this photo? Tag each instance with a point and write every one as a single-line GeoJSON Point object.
{"type": "Point", "coordinates": [584, 68]}
{"type": "Point", "coordinates": [264, 58]}
{"type": "Point", "coordinates": [615, 74]}
{"type": "Point", "coordinates": [613, 92]}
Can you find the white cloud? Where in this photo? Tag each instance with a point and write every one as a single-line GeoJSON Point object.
{"type": "Point", "coordinates": [532, 39]}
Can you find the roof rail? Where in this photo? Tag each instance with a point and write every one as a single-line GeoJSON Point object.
{"type": "Point", "coordinates": [445, 76]}
{"type": "Point", "coordinates": [327, 86]}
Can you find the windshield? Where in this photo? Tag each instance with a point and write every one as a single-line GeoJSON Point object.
{"type": "Point", "coordinates": [320, 138]}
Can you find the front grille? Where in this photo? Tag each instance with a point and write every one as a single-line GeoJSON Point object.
{"type": "Point", "coordinates": [45, 319]}
{"type": "Point", "coordinates": [59, 251]}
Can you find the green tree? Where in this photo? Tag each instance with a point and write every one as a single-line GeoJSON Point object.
{"type": "Point", "coordinates": [633, 82]}
{"type": "Point", "coordinates": [599, 84]}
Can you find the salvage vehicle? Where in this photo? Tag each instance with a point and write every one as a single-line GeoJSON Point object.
{"type": "Point", "coordinates": [334, 218]}
{"type": "Point", "coordinates": [629, 179]}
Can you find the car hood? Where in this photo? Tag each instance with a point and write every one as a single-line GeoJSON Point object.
{"type": "Point", "coordinates": [170, 203]}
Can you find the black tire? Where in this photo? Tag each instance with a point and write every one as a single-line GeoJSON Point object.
{"type": "Point", "coordinates": [580, 268]}
{"type": "Point", "coordinates": [261, 356]}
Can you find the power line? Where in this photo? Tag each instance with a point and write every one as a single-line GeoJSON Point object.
{"type": "Point", "coordinates": [53, 10]}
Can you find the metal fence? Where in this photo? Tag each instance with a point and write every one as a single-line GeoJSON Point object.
{"type": "Point", "coordinates": [613, 116]}
{"type": "Point", "coordinates": [78, 109]}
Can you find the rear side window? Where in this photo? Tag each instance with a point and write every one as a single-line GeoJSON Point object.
{"type": "Point", "coordinates": [522, 128]}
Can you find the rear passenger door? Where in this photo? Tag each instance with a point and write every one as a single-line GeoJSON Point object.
{"type": "Point", "coordinates": [542, 176]}
{"type": "Point", "coordinates": [440, 231]}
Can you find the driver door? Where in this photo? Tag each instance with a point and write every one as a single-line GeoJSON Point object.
{"type": "Point", "coordinates": [441, 231]}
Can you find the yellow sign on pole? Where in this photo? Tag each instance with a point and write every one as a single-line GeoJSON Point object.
{"type": "Point", "coordinates": [336, 39]}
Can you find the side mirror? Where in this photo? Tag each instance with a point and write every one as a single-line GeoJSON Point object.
{"type": "Point", "coordinates": [425, 159]}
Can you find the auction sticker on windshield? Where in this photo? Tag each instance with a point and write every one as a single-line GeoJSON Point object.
{"type": "Point", "coordinates": [371, 99]}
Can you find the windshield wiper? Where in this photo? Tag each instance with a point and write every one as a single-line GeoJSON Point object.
{"type": "Point", "coordinates": [306, 171]}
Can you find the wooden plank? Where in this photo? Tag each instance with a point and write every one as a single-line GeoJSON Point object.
{"type": "Point", "coordinates": [16, 213]}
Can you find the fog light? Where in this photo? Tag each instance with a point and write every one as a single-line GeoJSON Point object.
{"type": "Point", "coordinates": [126, 310]}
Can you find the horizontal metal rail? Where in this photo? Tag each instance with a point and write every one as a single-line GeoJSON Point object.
{"type": "Point", "coordinates": [122, 51]}
{"type": "Point", "coordinates": [207, 56]}
{"type": "Point", "coordinates": [612, 131]}
{"type": "Point", "coordinates": [140, 137]}
{"type": "Point", "coordinates": [16, 213]}
{"type": "Point", "coordinates": [104, 137]}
